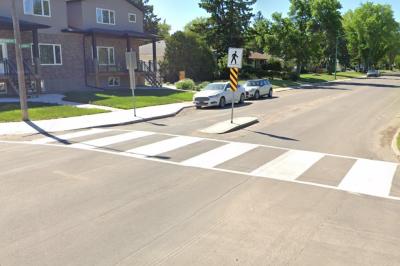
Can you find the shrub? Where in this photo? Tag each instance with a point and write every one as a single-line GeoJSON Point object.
{"type": "Point", "coordinates": [249, 72]}
{"type": "Point", "coordinates": [293, 76]}
{"type": "Point", "coordinates": [186, 52]}
{"type": "Point", "coordinates": [185, 84]}
{"type": "Point", "coordinates": [272, 64]}
{"type": "Point", "coordinates": [201, 85]}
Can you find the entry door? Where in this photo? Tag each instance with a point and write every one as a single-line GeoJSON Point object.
{"type": "Point", "coordinates": [3, 55]}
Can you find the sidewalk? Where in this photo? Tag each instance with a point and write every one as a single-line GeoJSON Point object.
{"type": "Point", "coordinates": [119, 117]}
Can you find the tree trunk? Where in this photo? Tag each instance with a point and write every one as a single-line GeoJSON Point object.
{"type": "Point", "coordinates": [299, 66]}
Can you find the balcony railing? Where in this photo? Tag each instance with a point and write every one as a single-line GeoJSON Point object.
{"type": "Point", "coordinates": [143, 66]}
{"type": "Point", "coordinates": [91, 67]}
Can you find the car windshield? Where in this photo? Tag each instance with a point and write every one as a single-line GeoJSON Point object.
{"type": "Point", "coordinates": [214, 87]}
{"type": "Point", "coordinates": [253, 83]}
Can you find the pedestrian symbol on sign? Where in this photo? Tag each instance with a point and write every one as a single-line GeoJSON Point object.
{"type": "Point", "coordinates": [235, 56]}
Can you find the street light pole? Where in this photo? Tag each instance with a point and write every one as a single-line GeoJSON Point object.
{"type": "Point", "coordinates": [20, 64]}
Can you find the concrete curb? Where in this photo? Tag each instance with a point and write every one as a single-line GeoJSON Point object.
{"type": "Point", "coordinates": [313, 84]}
{"type": "Point", "coordinates": [394, 143]}
{"type": "Point", "coordinates": [144, 119]}
{"type": "Point", "coordinates": [227, 127]}
{"type": "Point", "coordinates": [33, 130]}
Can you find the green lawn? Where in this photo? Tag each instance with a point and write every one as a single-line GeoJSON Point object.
{"type": "Point", "coordinates": [279, 83]}
{"type": "Point", "coordinates": [122, 99]}
{"type": "Point", "coordinates": [314, 78]}
{"type": "Point", "coordinates": [10, 112]}
{"type": "Point", "coordinates": [311, 78]}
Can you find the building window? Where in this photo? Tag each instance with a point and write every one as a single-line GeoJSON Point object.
{"type": "Point", "coordinates": [114, 81]}
{"type": "Point", "coordinates": [106, 55]}
{"type": "Point", "coordinates": [132, 17]}
{"type": "Point", "coordinates": [3, 88]}
{"type": "Point", "coordinates": [37, 7]}
{"type": "Point", "coordinates": [105, 16]}
{"type": "Point", "coordinates": [50, 54]}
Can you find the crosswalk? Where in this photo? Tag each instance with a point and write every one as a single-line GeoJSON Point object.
{"type": "Point", "coordinates": [367, 177]}
{"type": "Point", "coordinates": [289, 166]}
{"type": "Point", "coordinates": [219, 155]}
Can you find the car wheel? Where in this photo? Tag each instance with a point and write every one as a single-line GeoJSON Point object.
{"type": "Point", "coordinates": [222, 102]}
{"type": "Point", "coordinates": [198, 107]}
{"type": "Point", "coordinates": [270, 93]}
{"type": "Point", "coordinates": [242, 98]}
{"type": "Point", "coordinates": [257, 95]}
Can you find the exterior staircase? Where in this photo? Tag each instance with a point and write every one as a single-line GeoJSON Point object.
{"type": "Point", "coordinates": [151, 76]}
{"type": "Point", "coordinates": [11, 78]}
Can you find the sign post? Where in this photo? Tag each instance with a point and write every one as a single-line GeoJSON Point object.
{"type": "Point", "coordinates": [131, 65]}
{"type": "Point", "coordinates": [235, 56]}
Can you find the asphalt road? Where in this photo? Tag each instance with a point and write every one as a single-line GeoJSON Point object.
{"type": "Point", "coordinates": [354, 118]}
{"type": "Point", "coordinates": [92, 205]}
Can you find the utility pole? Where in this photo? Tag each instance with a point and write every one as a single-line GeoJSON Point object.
{"type": "Point", "coordinates": [20, 64]}
{"type": "Point", "coordinates": [336, 54]}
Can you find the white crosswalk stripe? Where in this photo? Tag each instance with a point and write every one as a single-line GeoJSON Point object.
{"type": "Point", "coordinates": [107, 141]}
{"type": "Point", "coordinates": [164, 146]}
{"type": "Point", "coordinates": [289, 166]}
{"type": "Point", "coordinates": [369, 177]}
{"type": "Point", "coordinates": [219, 155]}
{"type": "Point", "coordinates": [70, 136]}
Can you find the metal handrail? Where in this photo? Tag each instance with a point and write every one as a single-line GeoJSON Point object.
{"type": "Point", "coordinates": [11, 71]}
{"type": "Point", "coordinates": [91, 67]}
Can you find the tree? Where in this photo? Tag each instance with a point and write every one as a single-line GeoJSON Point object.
{"type": "Point", "coordinates": [328, 23]}
{"type": "Point", "coordinates": [164, 29]}
{"type": "Point", "coordinates": [369, 31]}
{"type": "Point", "coordinates": [185, 52]}
{"type": "Point", "coordinates": [151, 20]}
{"type": "Point", "coordinates": [393, 49]}
{"type": "Point", "coordinates": [397, 62]}
{"type": "Point", "coordinates": [282, 38]}
{"type": "Point", "coordinates": [197, 27]}
{"type": "Point", "coordinates": [257, 33]}
{"type": "Point", "coordinates": [293, 37]}
{"type": "Point", "coordinates": [228, 22]}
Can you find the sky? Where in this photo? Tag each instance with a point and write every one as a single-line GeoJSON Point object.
{"type": "Point", "coordinates": [179, 12]}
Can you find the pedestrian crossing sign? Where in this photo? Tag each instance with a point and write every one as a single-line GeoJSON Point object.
{"type": "Point", "coordinates": [235, 56]}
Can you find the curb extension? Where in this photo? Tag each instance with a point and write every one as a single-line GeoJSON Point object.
{"type": "Point", "coordinates": [227, 127]}
{"type": "Point", "coordinates": [120, 124]}
{"type": "Point", "coordinates": [242, 126]}
{"type": "Point", "coordinates": [143, 119]}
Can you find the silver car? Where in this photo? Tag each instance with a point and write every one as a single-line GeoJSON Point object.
{"type": "Point", "coordinates": [258, 88]}
{"type": "Point", "coordinates": [373, 73]}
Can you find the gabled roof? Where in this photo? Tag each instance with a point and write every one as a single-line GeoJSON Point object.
{"type": "Point", "coordinates": [258, 56]}
{"type": "Point", "coordinates": [129, 1]}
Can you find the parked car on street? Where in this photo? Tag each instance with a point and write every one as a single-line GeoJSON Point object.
{"type": "Point", "coordinates": [218, 94]}
{"type": "Point", "coordinates": [373, 73]}
{"type": "Point", "coordinates": [258, 88]}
